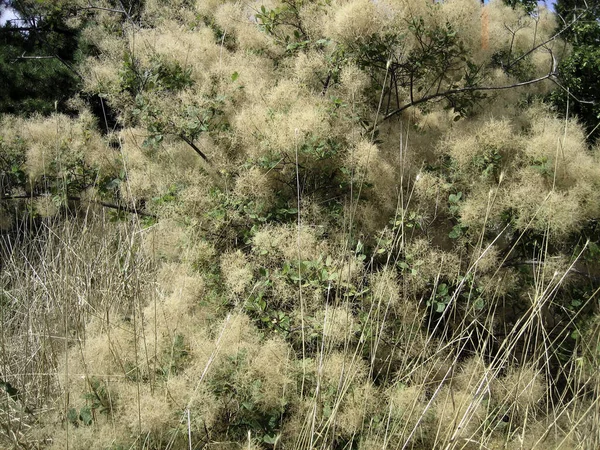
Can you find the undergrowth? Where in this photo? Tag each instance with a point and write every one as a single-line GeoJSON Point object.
{"type": "Point", "coordinates": [310, 229]}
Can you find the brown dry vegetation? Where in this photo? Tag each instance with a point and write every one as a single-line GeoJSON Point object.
{"type": "Point", "coordinates": [315, 263]}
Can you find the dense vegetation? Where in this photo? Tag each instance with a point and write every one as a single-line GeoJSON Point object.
{"type": "Point", "coordinates": [347, 224]}
{"type": "Point", "coordinates": [38, 51]}
{"type": "Point", "coordinates": [579, 92]}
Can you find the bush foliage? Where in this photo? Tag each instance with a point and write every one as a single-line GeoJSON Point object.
{"type": "Point", "coordinates": [347, 224]}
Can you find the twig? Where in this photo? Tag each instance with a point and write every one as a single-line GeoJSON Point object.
{"type": "Point", "coordinates": [79, 199]}
{"type": "Point", "coordinates": [326, 84]}
{"type": "Point", "coordinates": [524, 55]}
{"type": "Point", "coordinates": [570, 94]}
{"type": "Point", "coordinates": [18, 58]}
{"type": "Point", "coordinates": [465, 89]}
{"type": "Point", "coordinates": [195, 147]}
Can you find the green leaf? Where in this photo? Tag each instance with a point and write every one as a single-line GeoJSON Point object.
{"type": "Point", "coordinates": [270, 439]}
{"type": "Point", "coordinates": [359, 247]}
{"type": "Point", "coordinates": [455, 198]}
{"type": "Point", "coordinates": [456, 232]}
{"type": "Point", "coordinates": [234, 76]}
{"type": "Point", "coordinates": [479, 304]}
{"type": "Point", "coordinates": [72, 416]}
{"type": "Point", "coordinates": [10, 390]}
{"type": "Point", "coordinates": [248, 405]}
{"type": "Point", "coordinates": [442, 290]}
{"type": "Point", "coordinates": [85, 415]}
{"type": "Point", "coordinates": [113, 184]}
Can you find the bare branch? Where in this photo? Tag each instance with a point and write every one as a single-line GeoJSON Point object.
{"type": "Point", "coordinates": [195, 147]}
{"type": "Point", "coordinates": [326, 84]}
{"type": "Point", "coordinates": [123, 208]}
{"type": "Point", "coordinates": [217, 178]}
{"type": "Point", "coordinates": [23, 57]}
{"type": "Point", "coordinates": [127, 13]}
{"type": "Point", "coordinates": [465, 89]}
{"type": "Point", "coordinates": [524, 55]}
{"type": "Point", "coordinates": [91, 7]}
{"type": "Point", "coordinates": [19, 29]}
{"type": "Point", "coordinates": [570, 94]}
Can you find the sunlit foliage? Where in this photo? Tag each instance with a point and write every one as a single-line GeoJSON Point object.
{"type": "Point", "coordinates": [344, 224]}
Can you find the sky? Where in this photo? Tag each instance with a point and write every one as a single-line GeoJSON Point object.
{"type": "Point", "coordinates": [549, 3]}
{"type": "Point", "coordinates": [6, 14]}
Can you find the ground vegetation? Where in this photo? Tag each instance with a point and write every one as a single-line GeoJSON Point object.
{"type": "Point", "coordinates": [348, 224]}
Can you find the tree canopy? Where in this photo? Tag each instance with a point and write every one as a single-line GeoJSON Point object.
{"type": "Point", "coordinates": [579, 70]}
{"type": "Point", "coordinates": [302, 224]}
{"type": "Point", "coordinates": [38, 51]}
